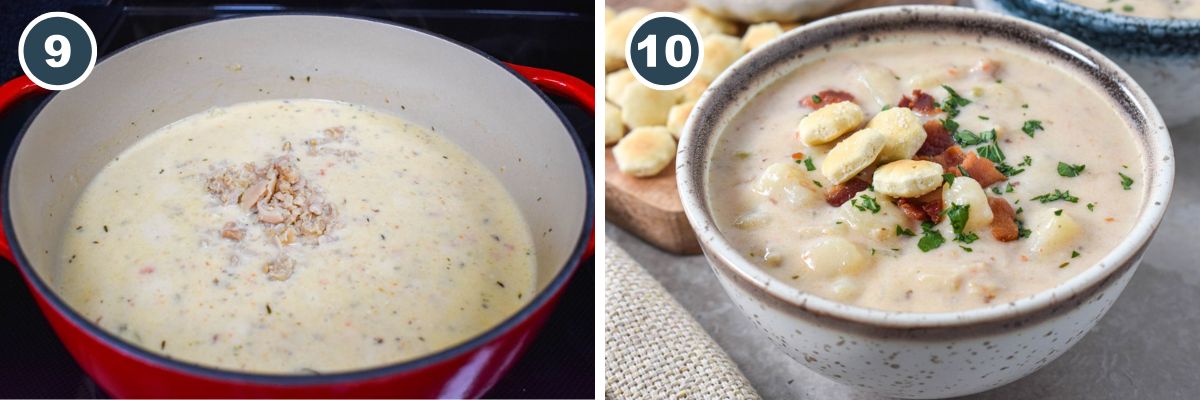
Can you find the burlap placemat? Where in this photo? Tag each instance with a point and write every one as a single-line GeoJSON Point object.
{"type": "Point", "coordinates": [653, 347]}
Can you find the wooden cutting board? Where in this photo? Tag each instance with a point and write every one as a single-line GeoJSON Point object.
{"type": "Point", "coordinates": [650, 207]}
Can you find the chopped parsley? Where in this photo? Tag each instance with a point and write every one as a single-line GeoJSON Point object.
{"type": "Point", "coordinates": [816, 99]}
{"type": "Point", "coordinates": [1127, 8]}
{"type": "Point", "coordinates": [868, 204]}
{"type": "Point", "coordinates": [949, 178]}
{"type": "Point", "coordinates": [1008, 188]}
{"type": "Point", "coordinates": [1027, 162]}
{"type": "Point", "coordinates": [1091, 206]}
{"type": "Point", "coordinates": [930, 238]}
{"type": "Point", "coordinates": [817, 183]}
{"type": "Point", "coordinates": [886, 107]}
{"type": "Point", "coordinates": [984, 117]}
{"type": "Point", "coordinates": [1021, 231]}
{"type": "Point", "coordinates": [958, 215]}
{"type": "Point", "coordinates": [1074, 254]}
{"type": "Point", "coordinates": [1069, 170]}
{"type": "Point", "coordinates": [967, 138]}
{"type": "Point", "coordinates": [1008, 170]}
{"type": "Point", "coordinates": [950, 125]}
{"type": "Point", "coordinates": [1126, 181]}
{"type": "Point", "coordinates": [952, 104]}
{"type": "Point", "coordinates": [965, 248]}
{"type": "Point", "coordinates": [900, 231]}
{"type": "Point", "coordinates": [808, 164]}
{"type": "Point", "coordinates": [1057, 195]}
{"type": "Point", "coordinates": [1032, 126]}
{"type": "Point", "coordinates": [996, 190]}
{"type": "Point", "coordinates": [992, 152]}
{"type": "Point", "coordinates": [1058, 212]}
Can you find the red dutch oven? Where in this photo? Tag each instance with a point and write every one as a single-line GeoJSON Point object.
{"type": "Point", "coordinates": [481, 104]}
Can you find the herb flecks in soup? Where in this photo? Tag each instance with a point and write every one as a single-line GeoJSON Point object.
{"type": "Point", "coordinates": [923, 175]}
{"type": "Point", "coordinates": [1162, 9]}
{"type": "Point", "coordinates": [295, 237]}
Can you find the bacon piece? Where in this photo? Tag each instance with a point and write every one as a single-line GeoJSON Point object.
{"type": "Point", "coordinates": [949, 159]}
{"type": "Point", "coordinates": [912, 209]}
{"type": "Point", "coordinates": [1004, 224]}
{"type": "Point", "coordinates": [937, 139]}
{"type": "Point", "coordinates": [932, 204]}
{"type": "Point", "coordinates": [982, 170]}
{"type": "Point", "coordinates": [920, 102]}
{"type": "Point", "coordinates": [926, 207]}
{"type": "Point", "coordinates": [843, 192]}
{"type": "Point", "coordinates": [827, 97]}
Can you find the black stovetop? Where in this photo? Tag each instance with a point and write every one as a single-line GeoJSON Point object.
{"type": "Point", "coordinates": [548, 34]}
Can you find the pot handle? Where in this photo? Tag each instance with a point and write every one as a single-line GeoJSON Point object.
{"type": "Point", "coordinates": [575, 89]}
{"type": "Point", "coordinates": [560, 84]}
{"type": "Point", "coordinates": [11, 92]}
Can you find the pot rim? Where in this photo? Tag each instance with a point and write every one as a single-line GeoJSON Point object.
{"type": "Point", "coordinates": [744, 75]}
{"type": "Point", "coordinates": [40, 288]}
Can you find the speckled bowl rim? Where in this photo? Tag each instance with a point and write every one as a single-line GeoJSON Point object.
{"type": "Point", "coordinates": [760, 68]}
{"type": "Point", "coordinates": [1117, 19]}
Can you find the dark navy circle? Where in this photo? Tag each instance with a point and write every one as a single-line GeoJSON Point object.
{"type": "Point", "coordinates": [37, 59]}
{"type": "Point", "coordinates": [664, 27]}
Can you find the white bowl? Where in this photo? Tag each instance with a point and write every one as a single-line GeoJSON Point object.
{"type": "Point", "coordinates": [920, 355]}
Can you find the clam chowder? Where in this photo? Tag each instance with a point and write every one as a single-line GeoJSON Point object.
{"type": "Point", "coordinates": [926, 174]}
{"type": "Point", "coordinates": [1162, 9]}
{"type": "Point", "coordinates": [295, 237]}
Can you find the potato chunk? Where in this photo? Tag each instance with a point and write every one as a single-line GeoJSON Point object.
{"type": "Point", "coordinates": [834, 256]}
{"type": "Point", "coordinates": [879, 225]}
{"type": "Point", "coordinates": [1055, 230]}
{"type": "Point", "coordinates": [880, 82]}
{"type": "Point", "coordinates": [966, 191]}
{"type": "Point", "coordinates": [845, 288]}
{"type": "Point", "coordinates": [786, 182]}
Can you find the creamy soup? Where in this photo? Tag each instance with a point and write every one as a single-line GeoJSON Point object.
{"type": "Point", "coordinates": [295, 236]}
{"type": "Point", "coordinates": [1163, 9]}
{"type": "Point", "coordinates": [1022, 178]}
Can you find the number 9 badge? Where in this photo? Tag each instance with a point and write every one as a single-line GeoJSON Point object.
{"type": "Point", "coordinates": [57, 51]}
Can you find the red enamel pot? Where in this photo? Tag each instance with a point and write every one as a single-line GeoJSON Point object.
{"type": "Point", "coordinates": [487, 107]}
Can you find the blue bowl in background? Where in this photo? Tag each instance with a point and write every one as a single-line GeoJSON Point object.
{"type": "Point", "coordinates": [1162, 55]}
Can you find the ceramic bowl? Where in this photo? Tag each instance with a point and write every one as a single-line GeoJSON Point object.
{"type": "Point", "coordinates": [920, 355]}
{"type": "Point", "coordinates": [1163, 55]}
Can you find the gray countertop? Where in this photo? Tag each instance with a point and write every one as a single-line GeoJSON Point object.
{"type": "Point", "coordinates": [1148, 346]}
